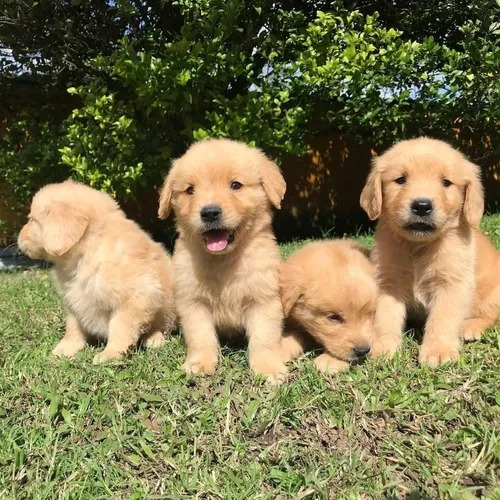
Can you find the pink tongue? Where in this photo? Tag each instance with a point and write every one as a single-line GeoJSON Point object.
{"type": "Point", "coordinates": [217, 241]}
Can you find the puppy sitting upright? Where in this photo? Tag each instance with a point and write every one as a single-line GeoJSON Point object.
{"type": "Point", "coordinates": [433, 262]}
{"type": "Point", "coordinates": [226, 258]}
{"type": "Point", "coordinates": [329, 294]}
{"type": "Point", "coordinates": [115, 282]}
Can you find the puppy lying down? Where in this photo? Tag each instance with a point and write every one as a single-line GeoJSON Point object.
{"type": "Point", "coordinates": [329, 292]}
{"type": "Point", "coordinates": [226, 258]}
{"type": "Point", "coordinates": [115, 282]}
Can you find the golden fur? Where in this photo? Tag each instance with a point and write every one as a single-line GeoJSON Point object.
{"type": "Point", "coordinates": [329, 295]}
{"type": "Point", "coordinates": [226, 284]}
{"type": "Point", "coordinates": [438, 266]}
{"type": "Point", "coordinates": [115, 282]}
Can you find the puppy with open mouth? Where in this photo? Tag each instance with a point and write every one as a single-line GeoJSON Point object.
{"type": "Point", "coordinates": [226, 258]}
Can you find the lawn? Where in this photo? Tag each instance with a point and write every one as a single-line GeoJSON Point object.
{"type": "Point", "coordinates": [141, 429]}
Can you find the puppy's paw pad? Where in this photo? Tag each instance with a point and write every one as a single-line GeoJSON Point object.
{"type": "Point", "coordinates": [154, 340]}
{"type": "Point", "coordinates": [328, 364]}
{"type": "Point", "coordinates": [104, 356]}
{"type": "Point", "coordinates": [67, 349]}
{"type": "Point", "coordinates": [201, 364]}
{"type": "Point", "coordinates": [273, 369]}
{"type": "Point", "coordinates": [438, 354]}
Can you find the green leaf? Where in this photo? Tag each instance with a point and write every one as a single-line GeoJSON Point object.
{"type": "Point", "coordinates": [147, 451]}
{"type": "Point", "coordinates": [19, 459]}
{"type": "Point", "coordinates": [54, 405]}
{"type": "Point", "coordinates": [66, 415]}
{"type": "Point", "coordinates": [395, 398]}
{"type": "Point", "coordinates": [151, 397]}
{"type": "Point", "coordinates": [184, 77]}
{"type": "Point", "coordinates": [134, 460]}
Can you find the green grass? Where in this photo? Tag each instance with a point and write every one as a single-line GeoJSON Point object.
{"type": "Point", "coordinates": [141, 429]}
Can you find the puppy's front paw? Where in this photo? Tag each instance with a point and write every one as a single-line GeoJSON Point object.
{"type": "Point", "coordinates": [384, 346]}
{"type": "Point", "coordinates": [155, 340]}
{"type": "Point", "coordinates": [106, 355]}
{"type": "Point", "coordinates": [269, 365]}
{"type": "Point", "coordinates": [201, 363]}
{"type": "Point", "coordinates": [68, 348]}
{"type": "Point", "coordinates": [328, 364]}
{"type": "Point", "coordinates": [434, 353]}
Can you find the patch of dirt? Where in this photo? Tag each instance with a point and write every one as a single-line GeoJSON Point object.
{"type": "Point", "coordinates": [314, 433]}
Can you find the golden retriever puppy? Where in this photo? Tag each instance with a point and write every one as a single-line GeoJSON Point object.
{"type": "Point", "coordinates": [226, 259]}
{"type": "Point", "coordinates": [329, 295]}
{"type": "Point", "coordinates": [115, 282]}
{"type": "Point", "coordinates": [433, 263]}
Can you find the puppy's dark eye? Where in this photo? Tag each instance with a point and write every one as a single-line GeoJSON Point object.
{"type": "Point", "coordinates": [190, 190]}
{"type": "Point", "coordinates": [336, 318]}
{"type": "Point", "coordinates": [401, 180]}
{"type": "Point", "coordinates": [235, 185]}
{"type": "Point", "coordinates": [446, 183]}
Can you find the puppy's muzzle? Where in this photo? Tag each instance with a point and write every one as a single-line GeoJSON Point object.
{"type": "Point", "coordinates": [421, 220]}
{"type": "Point", "coordinates": [216, 235]}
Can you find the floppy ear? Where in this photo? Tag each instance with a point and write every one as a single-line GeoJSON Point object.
{"type": "Point", "coordinates": [474, 196]}
{"type": "Point", "coordinates": [371, 196]}
{"type": "Point", "coordinates": [63, 227]}
{"type": "Point", "coordinates": [272, 181]}
{"type": "Point", "coordinates": [290, 289]}
{"type": "Point", "coordinates": [166, 195]}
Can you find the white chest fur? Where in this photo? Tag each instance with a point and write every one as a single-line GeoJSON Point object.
{"type": "Point", "coordinates": [84, 295]}
{"type": "Point", "coordinates": [229, 287]}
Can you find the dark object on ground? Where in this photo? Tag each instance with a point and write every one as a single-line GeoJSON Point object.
{"type": "Point", "coordinates": [11, 258]}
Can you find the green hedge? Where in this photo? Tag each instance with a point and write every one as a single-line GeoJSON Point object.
{"type": "Point", "coordinates": [263, 74]}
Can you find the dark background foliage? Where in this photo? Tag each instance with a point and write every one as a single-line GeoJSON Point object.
{"type": "Point", "coordinates": [108, 92]}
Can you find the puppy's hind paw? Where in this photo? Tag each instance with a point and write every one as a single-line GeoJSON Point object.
{"type": "Point", "coordinates": [291, 347]}
{"type": "Point", "coordinates": [68, 348]}
{"type": "Point", "coordinates": [155, 340]}
{"type": "Point", "coordinates": [438, 353]}
{"type": "Point", "coordinates": [471, 335]}
{"type": "Point", "coordinates": [473, 329]}
{"type": "Point", "coordinates": [272, 367]}
{"type": "Point", "coordinates": [201, 363]}
{"type": "Point", "coordinates": [106, 355]}
{"type": "Point", "coordinates": [328, 364]}
{"type": "Point", "coordinates": [385, 348]}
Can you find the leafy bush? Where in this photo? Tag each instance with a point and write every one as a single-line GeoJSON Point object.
{"type": "Point", "coordinates": [267, 73]}
{"type": "Point", "coordinates": [29, 154]}
{"type": "Point", "coordinates": [149, 105]}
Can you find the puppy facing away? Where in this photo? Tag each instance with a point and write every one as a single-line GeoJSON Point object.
{"type": "Point", "coordinates": [226, 258]}
{"type": "Point", "coordinates": [115, 282]}
{"type": "Point", "coordinates": [433, 262]}
{"type": "Point", "coordinates": [329, 295]}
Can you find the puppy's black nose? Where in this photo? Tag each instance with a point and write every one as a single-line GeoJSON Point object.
{"type": "Point", "coordinates": [210, 213]}
{"type": "Point", "coordinates": [421, 206]}
{"type": "Point", "coordinates": [361, 350]}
